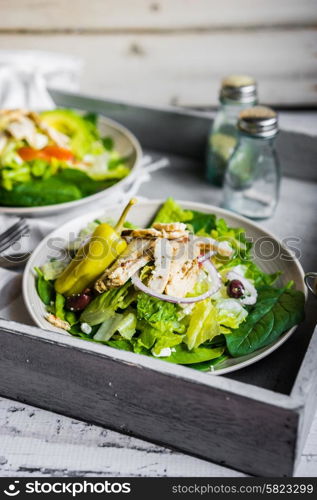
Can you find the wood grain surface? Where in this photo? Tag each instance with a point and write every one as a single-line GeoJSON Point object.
{"type": "Point", "coordinates": [40, 443]}
{"type": "Point", "coordinates": [162, 52]}
{"type": "Point", "coordinates": [112, 15]}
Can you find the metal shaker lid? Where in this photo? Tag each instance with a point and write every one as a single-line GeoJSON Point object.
{"type": "Point", "coordinates": [240, 88]}
{"type": "Point", "coordinates": [258, 121]}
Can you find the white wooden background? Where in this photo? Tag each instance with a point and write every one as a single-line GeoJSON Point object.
{"type": "Point", "coordinates": [175, 51]}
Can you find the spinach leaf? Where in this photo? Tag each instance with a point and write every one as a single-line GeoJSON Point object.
{"type": "Point", "coordinates": [59, 306]}
{"type": "Point", "coordinates": [108, 143]}
{"type": "Point", "coordinates": [44, 288]}
{"type": "Point", "coordinates": [197, 221]}
{"type": "Point", "coordinates": [206, 366]}
{"type": "Point", "coordinates": [123, 344]}
{"type": "Point", "coordinates": [91, 118]}
{"type": "Point", "coordinates": [67, 185]}
{"type": "Point", "coordinates": [202, 222]}
{"type": "Point", "coordinates": [275, 311]}
{"type": "Point", "coordinates": [183, 356]}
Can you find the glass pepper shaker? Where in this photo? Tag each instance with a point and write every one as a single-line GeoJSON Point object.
{"type": "Point", "coordinates": [252, 179]}
{"type": "Point", "coordinates": [237, 93]}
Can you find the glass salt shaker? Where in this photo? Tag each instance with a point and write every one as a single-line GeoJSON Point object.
{"type": "Point", "coordinates": [252, 179]}
{"type": "Point", "coordinates": [237, 93]}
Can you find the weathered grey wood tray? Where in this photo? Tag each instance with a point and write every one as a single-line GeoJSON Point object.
{"type": "Point", "coordinates": [255, 420]}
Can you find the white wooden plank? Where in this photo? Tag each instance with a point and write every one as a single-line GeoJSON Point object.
{"type": "Point", "coordinates": [39, 443]}
{"type": "Point", "coordinates": [186, 69]}
{"type": "Point", "coordinates": [153, 14]}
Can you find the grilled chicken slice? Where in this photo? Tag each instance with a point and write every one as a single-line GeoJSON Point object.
{"type": "Point", "coordinates": [59, 323]}
{"type": "Point", "coordinates": [169, 231]}
{"type": "Point", "coordinates": [10, 115]}
{"type": "Point", "coordinates": [136, 255]}
{"type": "Point", "coordinates": [172, 231]}
{"type": "Point", "coordinates": [24, 128]}
{"type": "Point", "coordinates": [184, 269]}
{"type": "Point", "coordinates": [21, 124]}
{"type": "Point", "coordinates": [170, 227]}
{"type": "Point", "coordinates": [60, 139]}
{"type": "Point", "coordinates": [163, 254]}
{"type": "Point", "coordinates": [141, 233]}
{"type": "Point", "coordinates": [223, 248]}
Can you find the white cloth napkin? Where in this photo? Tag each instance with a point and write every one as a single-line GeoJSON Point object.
{"type": "Point", "coordinates": [26, 74]}
{"type": "Point", "coordinates": [11, 302]}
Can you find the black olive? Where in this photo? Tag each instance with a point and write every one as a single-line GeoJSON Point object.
{"type": "Point", "coordinates": [78, 301]}
{"type": "Point", "coordinates": [235, 289]}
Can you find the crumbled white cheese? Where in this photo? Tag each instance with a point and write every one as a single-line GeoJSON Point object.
{"type": "Point", "coordinates": [164, 353]}
{"type": "Point", "coordinates": [85, 328]}
{"type": "Point", "coordinates": [224, 248]}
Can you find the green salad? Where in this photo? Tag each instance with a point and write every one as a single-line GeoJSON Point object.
{"type": "Point", "coordinates": [185, 290]}
{"type": "Point", "coordinates": [54, 157]}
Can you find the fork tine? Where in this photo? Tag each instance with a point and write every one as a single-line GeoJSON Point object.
{"type": "Point", "coordinates": [9, 230]}
{"type": "Point", "coordinates": [19, 231]}
{"type": "Point", "coordinates": [7, 235]}
{"type": "Point", "coordinates": [15, 237]}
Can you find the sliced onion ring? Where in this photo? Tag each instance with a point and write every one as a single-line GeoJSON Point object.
{"type": "Point", "coordinates": [213, 277]}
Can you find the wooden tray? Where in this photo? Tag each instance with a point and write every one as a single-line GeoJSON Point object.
{"type": "Point", "coordinates": [255, 420]}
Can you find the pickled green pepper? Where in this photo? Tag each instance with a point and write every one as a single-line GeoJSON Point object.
{"type": "Point", "coordinates": [104, 246]}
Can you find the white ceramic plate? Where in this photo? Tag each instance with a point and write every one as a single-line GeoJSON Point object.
{"type": "Point", "coordinates": [127, 146]}
{"type": "Point", "coordinates": [141, 215]}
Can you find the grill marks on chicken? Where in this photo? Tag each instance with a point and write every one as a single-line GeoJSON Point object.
{"type": "Point", "coordinates": [173, 252]}
{"type": "Point", "coordinates": [23, 124]}
{"type": "Point", "coordinates": [168, 231]}
{"type": "Point", "coordinates": [184, 269]}
{"type": "Point", "coordinates": [163, 255]}
{"type": "Point", "coordinates": [135, 256]}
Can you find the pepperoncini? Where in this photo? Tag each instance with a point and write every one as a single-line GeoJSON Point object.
{"type": "Point", "coordinates": [104, 246]}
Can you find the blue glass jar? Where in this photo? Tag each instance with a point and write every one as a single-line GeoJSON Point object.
{"type": "Point", "coordinates": [237, 93]}
{"type": "Point", "coordinates": [252, 179]}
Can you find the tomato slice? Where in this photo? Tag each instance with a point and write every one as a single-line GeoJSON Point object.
{"type": "Point", "coordinates": [59, 153]}
{"type": "Point", "coordinates": [29, 154]}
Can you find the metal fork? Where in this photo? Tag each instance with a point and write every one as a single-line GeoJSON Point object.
{"type": "Point", "coordinates": [13, 234]}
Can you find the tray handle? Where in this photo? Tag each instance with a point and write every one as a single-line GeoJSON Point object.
{"type": "Point", "coordinates": [312, 286]}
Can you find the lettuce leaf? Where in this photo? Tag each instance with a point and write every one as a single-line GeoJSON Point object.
{"type": "Point", "coordinates": [172, 212]}
{"type": "Point", "coordinates": [162, 316]}
{"type": "Point", "coordinates": [166, 340]}
{"type": "Point", "coordinates": [203, 324]}
{"type": "Point", "coordinates": [209, 319]}
{"type": "Point", "coordinates": [51, 270]}
{"type": "Point", "coordinates": [127, 326]}
{"type": "Point", "coordinates": [104, 306]}
{"type": "Point", "coordinates": [108, 327]}
{"type": "Point", "coordinates": [230, 313]}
